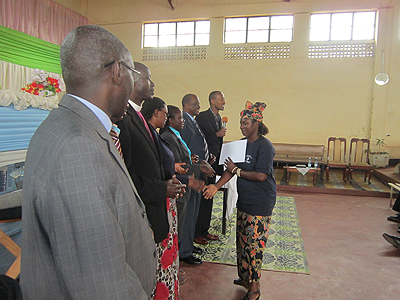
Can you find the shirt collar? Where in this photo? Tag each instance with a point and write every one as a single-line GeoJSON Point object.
{"type": "Point", "coordinates": [134, 105]}
{"type": "Point", "coordinates": [101, 115]}
{"type": "Point", "coordinates": [192, 118]}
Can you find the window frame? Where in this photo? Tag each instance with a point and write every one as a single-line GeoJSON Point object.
{"type": "Point", "coordinates": [269, 29]}
{"type": "Point", "coordinates": [352, 27]}
{"type": "Point", "coordinates": [175, 34]}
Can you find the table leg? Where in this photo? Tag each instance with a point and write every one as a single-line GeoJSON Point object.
{"type": "Point", "coordinates": [287, 176]}
{"type": "Point", "coordinates": [314, 177]}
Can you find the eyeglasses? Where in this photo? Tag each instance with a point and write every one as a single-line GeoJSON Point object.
{"type": "Point", "coordinates": [166, 113]}
{"type": "Point", "coordinates": [124, 64]}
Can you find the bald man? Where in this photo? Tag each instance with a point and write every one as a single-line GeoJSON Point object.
{"type": "Point", "coordinates": [85, 234]}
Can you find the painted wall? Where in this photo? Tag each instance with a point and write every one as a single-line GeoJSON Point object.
{"type": "Point", "coordinates": [308, 99]}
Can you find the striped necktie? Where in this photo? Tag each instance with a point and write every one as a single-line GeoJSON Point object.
{"type": "Point", "coordinates": [114, 132]}
{"type": "Point", "coordinates": [207, 153]}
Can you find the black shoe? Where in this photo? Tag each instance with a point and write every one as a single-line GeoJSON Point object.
{"type": "Point", "coordinates": [197, 250]}
{"type": "Point", "coordinates": [394, 240]}
{"type": "Point", "coordinates": [191, 260]}
{"type": "Point", "coordinates": [395, 218]}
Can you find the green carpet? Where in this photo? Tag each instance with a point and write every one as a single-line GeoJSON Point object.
{"type": "Point", "coordinates": [284, 251]}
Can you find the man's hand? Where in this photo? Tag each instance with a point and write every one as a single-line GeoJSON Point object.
{"type": "Point", "coordinates": [195, 158]}
{"type": "Point", "coordinates": [221, 132]}
{"type": "Point", "coordinates": [206, 168]}
{"type": "Point", "coordinates": [212, 158]}
{"type": "Point", "coordinates": [175, 188]}
{"type": "Point", "coordinates": [196, 184]}
{"type": "Point", "coordinates": [210, 191]}
{"type": "Point", "coordinates": [179, 169]}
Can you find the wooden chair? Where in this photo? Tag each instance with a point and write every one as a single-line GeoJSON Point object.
{"type": "Point", "coordinates": [359, 152]}
{"type": "Point", "coordinates": [11, 246]}
{"type": "Point", "coordinates": [336, 156]}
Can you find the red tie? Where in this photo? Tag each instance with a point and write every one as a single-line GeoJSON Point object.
{"type": "Point", "coordinates": [145, 123]}
{"type": "Point", "coordinates": [115, 137]}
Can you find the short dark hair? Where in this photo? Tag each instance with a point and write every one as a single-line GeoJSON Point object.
{"type": "Point", "coordinates": [172, 112]}
{"type": "Point", "coordinates": [187, 98]}
{"type": "Point", "coordinates": [213, 95]}
{"type": "Point", "coordinates": [150, 106]}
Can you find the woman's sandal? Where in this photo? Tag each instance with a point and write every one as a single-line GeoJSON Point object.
{"type": "Point", "coordinates": [248, 294]}
{"type": "Point", "coordinates": [241, 283]}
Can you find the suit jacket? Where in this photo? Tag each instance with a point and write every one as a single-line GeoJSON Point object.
{"type": "Point", "coordinates": [85, 234]}
{"type": "Point", "coordinates": [143, 161]}
{"type": "Point", "coordinates": [181, 156]}
{"type": "Point", "coordinates": [206, 121]}
{"type": "Point", "coordinates": [193, 137]}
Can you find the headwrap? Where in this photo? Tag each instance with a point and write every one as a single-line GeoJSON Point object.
{"type": "Point", "coordinates": [253, 111]}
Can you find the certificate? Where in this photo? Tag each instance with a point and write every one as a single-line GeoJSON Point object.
{"type": "Point", "coordinates": [235, 150]}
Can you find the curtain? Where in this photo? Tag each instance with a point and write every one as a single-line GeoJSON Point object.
{"type": "Point", "coordinates": [43, 19]}
{"type": "Point", "coordinates": [22, 49]}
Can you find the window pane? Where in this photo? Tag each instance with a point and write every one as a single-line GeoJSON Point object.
{"type": "Point", "coordinates": [150, 29]}
{"type": "Point", "coordinates": [319, 34]}
{"type": "Point", "coordinates": [185, 27]}
{"type": "Point", "coordinates": [257, 36]}
{"type": "Point", "coordinates": [185, 40]}
{"type": "Point", "coordinates": [279, 22]}
{"type": "Point", "coordinates": [235, 24]}
{"type": "Point", "coordinates": [202, 39]}
{"type": "Point", "coordinates": [235, 37]}
{"type": "Point", "coordinates": [258, 23]}
{"type": "Point", "coordinates": [166, 40]}
{"type": "Point", "coordinates": [150, 41]}
{"type": "Point", "coordinates": [167, 28]}
{"type": "Point", "coordinates": [364, 19]}
{"type": "Point", "coordinates": [341, 34]}
{"type": "Point", "coordinates": [342, 20]}
{"type": "Point", "coordinates": [320, 20]}
{"type": "Point", "coordinates": [363, 33]}
{"type": "Point", "coordinates": [284, 35]}
{"type": "Point", "coordinates": [202, 26]}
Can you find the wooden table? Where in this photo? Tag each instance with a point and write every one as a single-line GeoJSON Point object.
{"type": "Point", "coordinates": [290, 169]}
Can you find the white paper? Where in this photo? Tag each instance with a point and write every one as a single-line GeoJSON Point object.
{"type": "Point", "coordinates": [235, 150]}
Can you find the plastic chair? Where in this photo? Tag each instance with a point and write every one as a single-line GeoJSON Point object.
{"type": "Point", "coordinates": [359, 152]}
{"type": "Point", "coordinates": [336, 156]}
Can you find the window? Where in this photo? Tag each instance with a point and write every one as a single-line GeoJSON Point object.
{"type": "Point", "coordinates": [171, 34]}
{"type": "Point", "coordinates": [259, 29]}
{"type": "Point", "coordinates": [343, 26]}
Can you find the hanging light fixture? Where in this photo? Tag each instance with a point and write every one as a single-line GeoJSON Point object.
{"type": "Point", "coordinates": [382, 78]}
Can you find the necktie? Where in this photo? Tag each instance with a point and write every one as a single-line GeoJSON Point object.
{"type": "Point", "coordinates": [207, 153]}
{"type": "Point", "coordinates": [114, 132]}
{"type": "Point", "coordinates": [145, 123]}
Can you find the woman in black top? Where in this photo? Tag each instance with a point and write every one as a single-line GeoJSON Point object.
{"type": "Point", "coordinates": [256, 197]}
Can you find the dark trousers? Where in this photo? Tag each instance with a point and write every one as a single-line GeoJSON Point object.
{"type": "Point", "coordinates": [205, 211]}
{"type": "Point", "coordinates": [189, 227]}
{"type": "Point", "coordinates": [181, 210]}
{"type": "Point", "coordinates": [396, 205]}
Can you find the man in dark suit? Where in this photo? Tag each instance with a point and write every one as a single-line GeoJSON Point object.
{"type": "Point", "coordinates": [195, 140]}
{"type": "Point", "coordinates": [142, 157]}
{"type": "Point", "coordinates": [85, 234]}
{"type": "Point", "coordinates": [211, 124]}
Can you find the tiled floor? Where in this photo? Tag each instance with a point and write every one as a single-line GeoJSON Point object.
{"type": "Point", "coordinates": [347, 256]}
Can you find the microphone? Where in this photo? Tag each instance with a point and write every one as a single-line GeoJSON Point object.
{"type": "Point", "coordinates": [224, 121]}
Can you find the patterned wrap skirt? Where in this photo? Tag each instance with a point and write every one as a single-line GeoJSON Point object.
{"type": "Point", "coordinates": [251, 239]}
{"type": "Point", "coordinates": [167, 287]}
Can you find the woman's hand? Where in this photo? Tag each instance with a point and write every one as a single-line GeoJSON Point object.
{"type": "Point", "coordinates": [195, 158]}
{"type": "Point", "coordinates": [210, 191]}
{"type": "Point", "coordinates": [229, 164]}
{"type": "Point", "coordinates": [179, 169]}
{"type": "Point", "coordinates": [196, 184]}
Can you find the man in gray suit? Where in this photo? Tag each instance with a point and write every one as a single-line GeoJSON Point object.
{"type": "Point", "coordinates": [85, 231]}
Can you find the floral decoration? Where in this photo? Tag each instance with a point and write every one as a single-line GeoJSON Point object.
{"type": "Point", "coordinates": [44, 85]}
